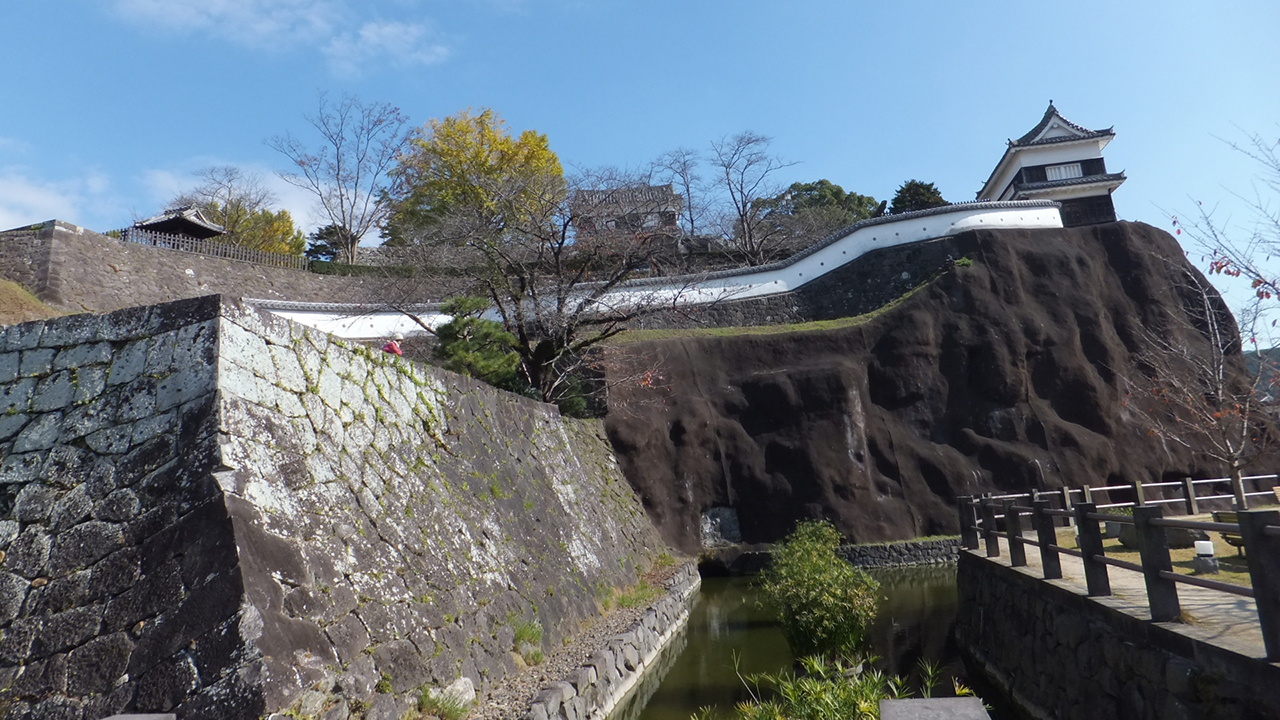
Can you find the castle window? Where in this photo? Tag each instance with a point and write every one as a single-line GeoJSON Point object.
{"type": "Point", "coordinates": [1063, 172]}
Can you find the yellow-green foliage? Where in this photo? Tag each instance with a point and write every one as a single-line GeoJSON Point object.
{"type": "Point", "coordinates": [823, 602]}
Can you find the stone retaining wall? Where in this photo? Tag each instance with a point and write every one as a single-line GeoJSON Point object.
{"type": "Point", "coordinates": [896, 554]}
{"type": "Point", "coordinates": [78, 270]}
{"type": "Point", "coordinates": [597, 687]}
{"type": "Point", "coordinates": [214, 512]}
{"type": "Point", "coordinates": [1056, 653]}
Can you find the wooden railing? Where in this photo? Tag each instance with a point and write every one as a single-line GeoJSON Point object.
{"type": "Point", "coordinates": [980, 519]}
{"type": "Point", "coordinates": [212, 247]}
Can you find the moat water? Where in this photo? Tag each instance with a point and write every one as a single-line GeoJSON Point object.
{"type": "Point", "coordinates": [729, 636]}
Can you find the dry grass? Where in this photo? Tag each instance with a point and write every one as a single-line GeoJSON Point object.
{"type": "Point", "coordinates": [1232, 568]}
{"type": "Point", "coordinates": [18, 306]}
{"type": "Point", "coordinates": [635, 336]}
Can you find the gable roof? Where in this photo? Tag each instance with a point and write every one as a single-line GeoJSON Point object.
{"type": "Point", "coordinates": [184, 220]}
{"type": "Point", "coordinates": [1053, 120]}
{"type": "Point", "coordinates": [1052, 128]}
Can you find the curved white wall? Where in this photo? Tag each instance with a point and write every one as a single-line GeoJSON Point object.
{"type": "Point", "coordinates": [786, 276]}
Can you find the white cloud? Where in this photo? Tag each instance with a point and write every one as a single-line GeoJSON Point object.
{"type": "Point", "coordinates": [294, 23]}
{"type": "Point", "coordinates": [402, 44]}
{"type": "Point", "coordinates": [251, 22]}
{"type": "Point", "coordinates": [24, 200]}
{"type": "Point", "coordinates": [162, 185]}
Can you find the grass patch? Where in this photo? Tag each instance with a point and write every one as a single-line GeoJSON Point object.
{"type": "Point", "coordinates": [442, 705]}
{"type": "Point", "coordinates": [926, 538]}
{"type": "Point", "coordinates": [17, 305]}
{"type": "Point", "coordinates": [637, 336]}
{"type": "Point", "coordinates": [637, 596]}
{"type": "Point", "coordinates": [1232, 568]}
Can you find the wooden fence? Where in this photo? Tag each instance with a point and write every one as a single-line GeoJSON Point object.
{"type": "Point", "coordinates": [980, 519]}
{"type": "Point", "coordinates": [213, 247]}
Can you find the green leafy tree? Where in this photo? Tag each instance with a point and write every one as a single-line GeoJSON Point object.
{"type": "Point", "coordinates": [916, 195]}
{"type": "Point", "coordinates": [469, 162]}
{"type": "Point", "coordinates": [808, 212]}
{"type": "Point", "coordinates": [824, 603]}
{"type": "Point", "coordinates": [471, 345]}
{"type": "Point", "coordinates": [326, 243]}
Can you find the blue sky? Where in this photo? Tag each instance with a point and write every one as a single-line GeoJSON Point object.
{"type": "Point", "coordinates": [111, 104]}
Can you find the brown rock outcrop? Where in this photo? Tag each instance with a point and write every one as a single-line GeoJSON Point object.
{"type": "Point", "coordinates": [1002, 376]}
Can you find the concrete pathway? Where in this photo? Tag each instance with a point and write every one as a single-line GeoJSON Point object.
{"type": "Point", "coordinates": [1226, 620]}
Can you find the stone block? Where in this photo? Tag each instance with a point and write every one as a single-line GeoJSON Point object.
{"type": "Point", "coordinates": [13, 591]}
{"type": "Point", "coordinates": [399, 661]}
{"type": "Point", "coordinates": [65, 630]}
{"type": "Point", "coordinates": [28, 556]}
{"type": "Point", "coordinates": [80, 355]}
{"type": "Point", "coordinates": [96, 666]}
{"type": "Point", "coordinates": [24, 336]}
{"type": "Point", "coordinates": [83, 545]}
{"type": "Point", "coordinates": [349, 637]}
{"type": "Point", "coordinates": [9, 367]}
{"type": "Point", "coordinates": [35, 503]}
{"type": "Point", "coordinates": [166, 685]}
{"type": "Point", "coordinates": [157, 591]}
{"type": "Point", "coordinates": [128, 363]}
{"type": "Point", "coordinates": [72, 330]}
{"type": "Point", "coordinates": [89, 382]}
{"type": "Point", "coordinates": [40, 434]}
{"type": "Point", "coordinates": [70, 509]}
{"type": "Point", "coordinates": [11, 425]}
{"type": "Point", "coordinates": [36, 362]}
{"type": "Point", "coordinates": [15, 397]}
{"type": "Point", "coordinates": [963, 708]}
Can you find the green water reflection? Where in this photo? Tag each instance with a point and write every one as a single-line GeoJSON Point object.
{"type": "Point", "coordinates": [697, 668]}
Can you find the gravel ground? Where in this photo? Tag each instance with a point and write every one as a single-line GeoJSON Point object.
{"type": "Point", "coordinates": [510, 699]}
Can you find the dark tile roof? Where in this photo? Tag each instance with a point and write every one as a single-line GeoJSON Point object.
{"type": "Point", "coordinates": [1070, 182]}
{"type": "Point", "coordinates": [1049, 115]}
{"type": "Point", "coordinates": [185, 220]}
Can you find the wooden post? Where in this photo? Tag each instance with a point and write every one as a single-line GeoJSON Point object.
{"type": "Point", "coordinates": [1088, 493]}
{"type": "Point", "coordinates": [1095, 573]}
{"type": "Point", "coordinates": [1263, 554]}
{"type": "Point", "coordinates": [1138, 498]}
{"type": "Point", "coordinates": [968, 522]}
{"type": "Point", "coordinates": [989, 527]}
{"type": "Point", "coordinates": [1189, 490]}
{"type": "Point", "coordinates": [1048, 537]}
{"type": "Point", "coordinates": [1153, 545]}
{"type": "Point", "coordinates": [1013, 523]}
{"type": "Point", "coordinates": [1066, 503]}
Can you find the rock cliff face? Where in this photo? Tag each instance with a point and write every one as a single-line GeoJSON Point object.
{"type": "Point", "coordinates": [1001, 376]}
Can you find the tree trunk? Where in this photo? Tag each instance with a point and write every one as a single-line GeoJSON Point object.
{"type": "Point", "coordinates": [1237, 488]}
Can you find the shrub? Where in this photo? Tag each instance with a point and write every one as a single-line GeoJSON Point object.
{"type": "Point", "coordinates": [827, 691]}
{"type": "Point", "coordinates": [823, 602]}
{"type": "Point", "coordinates": [444, 705]}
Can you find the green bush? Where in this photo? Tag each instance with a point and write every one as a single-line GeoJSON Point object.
{"type": "Point", "coordinates": [823, 602]}
{"type": "Point", "coordinates": [325, 267]}
{"type": "Point", "coordinates": [828, 690]}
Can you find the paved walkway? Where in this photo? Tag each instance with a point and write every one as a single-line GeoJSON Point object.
{"type": "Point", "coordinates": [1227, 620]}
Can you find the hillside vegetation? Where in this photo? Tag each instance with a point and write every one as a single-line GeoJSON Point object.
{"type": "Point", "coordinates": [17, 305]}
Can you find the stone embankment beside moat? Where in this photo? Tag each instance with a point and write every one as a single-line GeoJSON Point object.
{"type": "Point", "coordinates": [595, 688]}
{"type": "Point", "coordinates": [210, 511]}
{"type": "Point", "coordinates": [1055, 653]}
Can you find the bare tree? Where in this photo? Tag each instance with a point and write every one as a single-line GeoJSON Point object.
{"type": "Point", "coordinates": [1198, 393]}
{"type": "Point", "coordinates": [559, 288]}
{"type": "Point", "coordinates": [745, 174]}
{"type": "Point", "coordinates": [228, 196]}
{"type": "Point", "coordinates": [680, 168]}
{"type": "Point", "coordinates": [347, 172]}
{"type": "Point", "coordinates": [1249, 255]}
